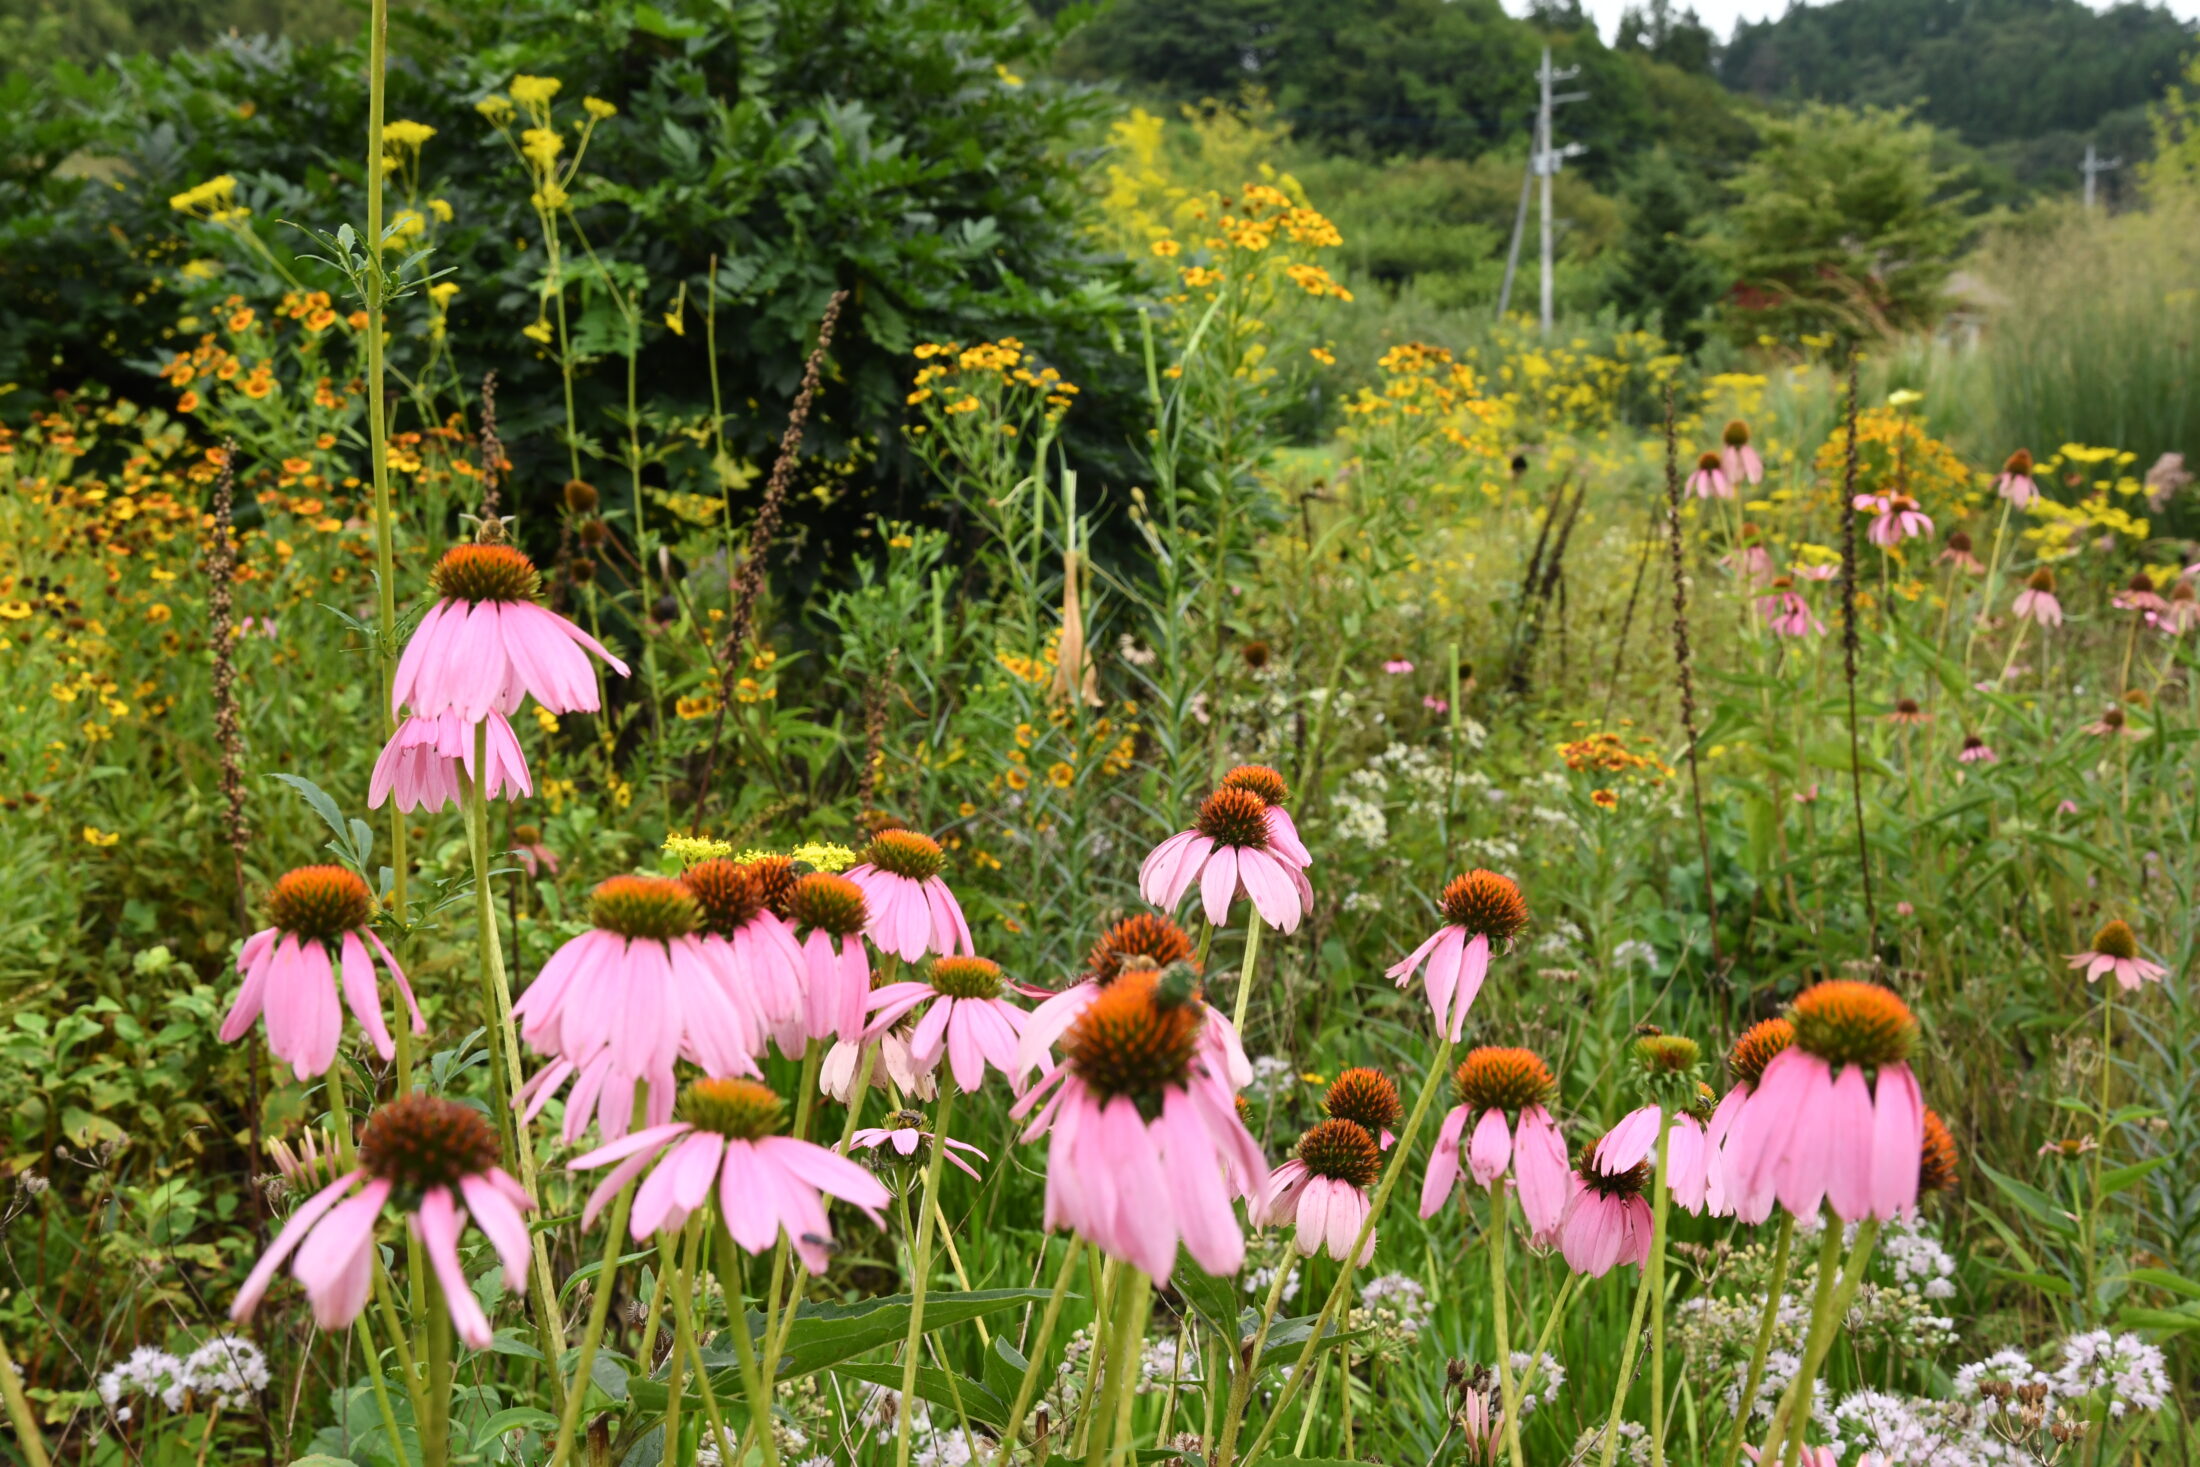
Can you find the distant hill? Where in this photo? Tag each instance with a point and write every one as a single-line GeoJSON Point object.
{"type": "Point", "coordinates": [2028, 83]}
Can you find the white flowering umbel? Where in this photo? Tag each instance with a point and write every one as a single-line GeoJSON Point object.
{"type": "Point", "coordinates": [2124, 1370]}
{"type": "Point", "coordinates": [226, 1371]}
{"type": "Point", "coordinates": [1549, 1376]}
{"type": "Point", "coordinates": [1994, 1381]}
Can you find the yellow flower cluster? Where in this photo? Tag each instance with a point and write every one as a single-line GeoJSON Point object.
{"type": "Point", "coordinates": [1894, 454]}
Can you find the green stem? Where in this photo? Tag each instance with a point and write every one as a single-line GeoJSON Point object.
{"type": "Point", "coordinates": [2100, 1150]}
{"type": "Point", "coordinates": [922, 1269]}
{"type": "Point", "coordinates": [27, 1435]}
{"type": "Point", "coordinates": [1245, 969]}
{"type": "Point", "coordinates": [728, 1450]}
{"type": "Point", "coordinates": [1132, 1292]}
{"type": "Point", "coordinates": [1767, 1319]}
{"type": "Point", "coordinates": [1661, 1198]}
{"type": "Point", "coordinates": [1103, 1348]}
{"type": "Point", "coordinates": [1244, 1368]}
{"type": "Point", "coordinates": [669, 1259]}
{"type": "Point", "coordinates": [1439, 1073]}
{"type": "Point", "coordinates": [599, 1310]}
{"type": "Point", "coordinates": [1633, 1344]}
{"type": "Point", "coordinates": [1500, 1303]}
{"type": "Point", "coordinates": [752, 1377]}
{"type": "Point", "coordinates": [1826, 1312]}
{"type": "Point", "coordinates": [380, 1387]}
{"type": "Point", "coordinates": [1550, 1328]}
{"type": "Point", "coordinates": [1036, 1350]}
{"type": "Point", "coordinates": [435, 1426]}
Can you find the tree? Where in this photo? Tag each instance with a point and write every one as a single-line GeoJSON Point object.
{"type": "Point", "coordinates": [2175, 167]}
{"type": "Point", "coordinates": [1840, 223]}
{"type": "Point", "coordinates": [1677, 39]}
{"type": "Point", "coordinates": [1664, 280]}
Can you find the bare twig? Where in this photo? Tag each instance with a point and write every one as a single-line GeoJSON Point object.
{"type": "Point", "coordinates": [1681, 665]}
{"type": "Point", "coordinates": [1848, 657]}
{"type": "Point", "coordinates": [492, 447]}
{"type": "Point", "coordinates": [221, 571]}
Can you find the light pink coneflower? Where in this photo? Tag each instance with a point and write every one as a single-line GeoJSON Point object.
{"type": "Point", "coordinates": [1502, 1094]}
{"type": "Point", "coordinates": [1710, 480]}
{"type": "Point", "coordinates": [2139, 594]}
{"type": "Point", "coordinates": [1785, 611]}
{"type": "Point", "coordinates": [437, 1160]}
{"type": "Point", "coordinates": [1737, 459]}
{"type": "Point", "coordinates": [1607, 1220]}
{"type": "Point", "coordinates": [533, 854]}
{"type": "Point", "coordinates": [1283, 834]}
{"type": "Point", "coordinates": [727, 1139]}
{"type": "Point", "coordinates": [1146, 1145]}
{"type": "Point", "coordinates": [1813, 572]}
{"type": "Point", "coordinates": [832, 913]}
{"type": "Point", "coordinates": [912, 911]}
{"type": "Point", "coordinates": [623, 1001]}
{"type": "Point", "coordinates": [1322, 1190]}
{"type": "Point", "coordinates": [1634, 1141]}
{"type": "Point", "coordinates": [1230, 850]}
{"type": "Point", "coordinates": [1895, 518]}
{"type": "Point", "coordinates": [421, 763]}
{"type": "Point", "coordinates": [756, 950]}
{"type": "Point", "coordinates": [1836, 1117]}
{"type": "Point", "coordinates": [1975, 751]}
{"type": "Point", "coordinates": [2015, 481]}
{"type": "Point", "coordinates": [291, 971]}
{"type": "Point", "coordinates": [1746, 1061]}
{"type": "Point", "coordinates": [2037, 600]}
{"type": "Point", "coordinates": [2112, 724]}
{"type": "Point", "coordinates": [1482, 911]}
{"type": "Point", "coordinates": [967, 1016]}
{"type": "Point", "coordinates": [2115, 951]}
{"type": "Point", "coordinates": [486, 643]}
{"type": "Point", "coordinates": [2182, 613]}
{"type": "Point", "coordinates": [836, 1076]}
{"type": "Point", "coordinates": [906, 1138]}
{"type": "Point", "coordinates": [1142, 942]}
{"type": "Point", "coordinates": [1397, 667]}
{"type": "Point", "coordinates": [1958, 554]}
{"type": "Point", "coordinates": [1749, 560]}
{"type": "Point", "coordinates": [1906, 711]}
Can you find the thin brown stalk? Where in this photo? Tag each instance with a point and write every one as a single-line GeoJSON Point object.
{"type": "Point", "coordinates": [1848, 657]}
{"type": "Point", "coordinates": [492, 447]}
{"type": "Point", "coordinates": [221, 572]}
{"type": "Point", "coordinates": [750, 583]}
{"type": "Point", "coordinates": [874, 733]}
{"type": "Point", "coordinates": [1685, 675]}
{"type": "Point", "coordinates": [1627, 618]}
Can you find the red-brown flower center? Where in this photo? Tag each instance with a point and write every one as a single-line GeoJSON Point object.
{"type": "Point", "coordinates": [832, 904]}
{"type": "Point", "coordinates": [1509, 1080]}
{"type": "Point", "coordinates": [1150, 938]}
{"type": "Point", "coordinates": [485, 573]}
{"type": "Point", "coordinates": [1366, 1097]}
{"type": "Point", "coordinates": [321, 902]}
{"type": "Point", "coordinates": [645, 906]}
{"type": "Point", "coordinates": [729, 894]}
{"type": "Point", "coordinates": [775, 877]}
{"type": "Point", "coordinates": [1630, 1183]}
{"type": "Point", "coordinates": [2042, 579]}
{"type": "Point", "coordinates": [1261, 780]}
{"type": "Point", "coordinates": [1756, 1048]}
{"type": "Point", "coordinates": [1936, 1162]}
{"type": "Point", "coordinates": [1341, 1150]}
{"type": "Point", "coordinates": [1737, 433]}
{"type": "Point", "coordinates": [1707, 463]}
{"type": "Point", "coordinates": [1234, 817]}
{"type": "Point", "coordinates": [1486, 905]}
{"type": "Point", "coordinates": [2116, 940]}
{"type": "Point", "coordinates": [1846, 1022]}
{"type": "Point", "coordinates": [425, 1141]}
{"type": "Point", "coordinates": [2019, 462]}
{"type": "Point", "coordinates": [1130, 1041]}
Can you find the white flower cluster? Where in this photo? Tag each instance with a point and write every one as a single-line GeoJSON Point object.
{"type": "Point", "coordinates": [1549, 1376]}
{"type": "Point", "coordinates": [1495, 852]}
{"type": "Point", "coordinates": [1362, 901]}
{"type": "Point", "coordinates": [1171, 1359]}
{"type": "Point", "coordinates": [2127, 1369]}
{"type": "Point", "coordinates": [1634, 953]}
{"type": "Point", "coordinates": [2003, 1367]}
{"type": "Point", "coordinates": [1273, 1077]}
{"type": "Point", "coordinates": [946, 1445]}
{"type": "Point", "coordinates": [226, 1371]}
{"type": "Point", "coordinates": [1633, 1440]}
{"type": "Point", "coordinates": [1559, 937]}
{"type": "Point", "coordinates": [1261, 1280]}
{"type": "Point", "coordinates": [1403, 1296]}
{"type": "Point", "coordinates": [1911, 1249]}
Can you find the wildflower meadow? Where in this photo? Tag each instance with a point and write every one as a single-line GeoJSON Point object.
{"type": "Point", "coordinates": [1313, 896]}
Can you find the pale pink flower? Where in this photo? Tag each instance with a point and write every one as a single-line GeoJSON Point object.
{"type": "Point", "coordinates": [1481, 910]}
{"type": "Point", "coordinates": [1397, 667]}
{"type": "Point", "coordinates": [1975, 751]}
{"type": "Point", "coordinates": [1895, 518]}
{"type": "Point", "coordinates": [2140, 595]}
{"type": "Point", "coordinates": [291, 971]}
{"type": "Point", "coordinates": [437, 1159]}
{"type": "Point", "coordinates": [1750, 561]}
{"type": "Point", "coordinates": [486, 644]}
{"type": "Point", "coordinates": [533, 854]}
{"type": "Point", "coordinates": [1231, 850]}
{"type": "Point", "coordinates": [836, 1076]}
{"type": "Point", "coordinates": [755, 948]}
{"type": "Point", "coordinates": [1836, 1117]}
{"type": "Point", "coordinates": [2037, 600]}
{"type": "Point", "coordinates": [1634, 1141]}
{"type": "Point", "coordinates": [1501, 1094]}
{"type": "Point", "coordinates": [836, 970]}
{"type": "Point", "coordinates": [1958, 554]}
{"type": "Point", "coordinates": [624, 1000]}
{"type": "Point", "coordinates": [1142, 942]}
{"type": "Point", "coordinates": [906, 1138]}
{"type": "Point", "coordinates": [1710, 481]}
{"type": "Point", "coordinates": [421, 763]}
{"type": "Point", "coordinates": [2113, 724]}
{"type": "Point", "coordinates": [912, 911]}
{"type": "Point", "coordinates": [1145, 1142]}
{"type": "Point", "coordinates": [1606, 1222]}
{"type": "Point", "coordinates": [966, 1016]}
{"type": "Point", "coordinates": [1786, 613]}
{"type": "Point", "coordinates": [1737, 459]}
{"type": "Point", "coordinates": [2015, 481]}
{"type": "Point", "coordinates": [1322, 1190]}
{"type": "Point", "coordinates": [766, 1184]}
{"type": "Point", "coordinates": [1747, 1060]}
{"type": "Point", "coordinates": [1436, 705]}
{"type": "Point", "coordinates": [2115, 951]}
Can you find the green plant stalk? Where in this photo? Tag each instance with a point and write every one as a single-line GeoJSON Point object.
{"type": "Point", "coordinates": [1500, 1304]}
{"type": "Point", "coordinates": [1829, 1306]}
{"type": "Point", "coordinates": [435, 1427]}
{"type": "Point", "coordinates": [670, 1261]}
{"type": "Point", "coordinates": [2100, 1149]}
{"type": "Point", "coordinates": [752, 1377]}
{"type": "Point", "coordinates": [27, 1435]}
{"type": "Point", "coordinates": [1243, 1370]}
{"type": "Point", "coordinates": [1132, 1292]}
{"type": "Point", "coordinates": [1610, 1449]}
{"type": "Point", "coordinates": [1036, 1352]}
{"type": "Point", "coordinates": [599, 1310]}
{"type": "Point", "coordinates": [1245, 968]}
{"type": "Point", "coordinates": [1550, 1329]}
{"type": "Point", "coordinates": [1660, 1204]}
{"type": "Point", "coordinates": [805, 1105]}
{"type": "Point", "coordinates": [1767, 1319]}
{"type": "Point", "coordinates": [339, 1118]}
{"type": "Point", "coordinates": [1103, 1348]}
{"type": "Point", "coordinates": [1439, 1073]}
{"type": "Point", "coordinates": [683, 1300]}
{"type": "Point", "coordinates": [374, 1379]}
{"type": "Point", "coordinates": [921, 1269]}
{"type": "Point", "coordinates": [1313, 1408]}
{"type": "Point", "coordinates": [1993, 580]}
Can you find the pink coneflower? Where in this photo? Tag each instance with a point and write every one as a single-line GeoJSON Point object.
{"type": "Point", "coordinates": [912, 911]}
{"type": "Point", "coordinates": [907, 1140]}
{"type": "Point", "coordinates": [1737, 459]}
{"type": "Point", "coordinates": [1635, 1141]}
{"type": "Point", "coordinates": [1975, 751]}
{"type": "Point", "coordinates": [437, 1159]}
{"type": "Point", "coordinates": [1836, 1117]}
{"type": "Point", "coordinates": [836, 1076]}
{"type": "Point", "coordinates": [2115, 951]}
{"type": "Point", "coordinates": [1746, 1061]}
{"type": "Point", "coordinates": [1749, 559]}
{"type": "Point", "coordinates": [1397, 667]}
{"type": "Point", "coordinates": [2182, 613]}
{"type": "Point", "coordinates": [1436, 705]}
{"type": "Point", "coordinates": [321, 916]}
{"type": "Point", "coordinates": [1230, 851]}
{"type": "Point", "coordinates": [486, 644]}
{"type": "Point", "coordinates": [1819, 1457]}
{"type": "Point", "coordinates": [1142, 942]}
{"type": "Point", "coordinates": [1283, 833]}
{"type": "Point", "coordinates": [1607, 1219]}
{"type": "Point", "coordinates": [2037, 600]}
{"type": "Point", "coordinates": [533, 854]}
{"type": "Point", "coordinates": [836, 981]}
{"type": "Point", "coordinates": [1365, 1097]}
{"type": "Point", "coordinates": [1813, 572]}
{"type": "Point", "coordinates": [1958, 554]}
{"type": "Point", "coordinates": [1895, 518]}
{"type": "Point", "coordinates": [1785, 611]}
{"type": "Point", "coordinates": [623, 1001]}
{"type": "Point", "coordinates": [1710, 480]}
{"type": "Point", "coordinates": [1146, 1141]}
{"type": "Point", "coordinates": [968, 1017]}
{"type": "Point", "coordinates": [421, 763]}
{"type": "Point", "coordinates": [1322, 1190]}
{"type": "Point", "coordinates": [2015, 482]}
{"type": "Point", "coordinates": [2139, 595]}
{"type": "Point", "coordinates": [1503, 1093]}
{"type": "Point", "coordinates": [2112, 723]}
{"type": "Point", "coordinates": [756, 950]}
{"type": "Point", "coordinates": [1906, 711]}
{"type": "Point", "coordinates": [1807, 795]}
{"type": "Point", "coordinates": [767, 1184]}
{"type": "Point", "coordinates": [1481, 910]}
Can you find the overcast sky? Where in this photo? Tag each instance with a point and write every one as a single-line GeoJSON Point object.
{"type": "Point", "coordinates": [1721, 15]}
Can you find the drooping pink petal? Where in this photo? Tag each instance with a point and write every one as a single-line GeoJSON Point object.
{"type": "Point", "coordinates": [286, 1242]}
{"type": "Point", "coordinates": [1443, 1162]}
{"type": "Point", "coordinates": [495, 1215]}
{"type": "Point", "coordinates": [1898, 1133]}
{"type": "Point", "coordinates": [1630, 1143]}
{"type": "Point", "coordinates": [1490, 1153]}
{"type": "Point", "coordinates": [1539, 1167]}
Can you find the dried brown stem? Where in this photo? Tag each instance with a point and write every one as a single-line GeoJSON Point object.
{"type": "Point", "coordinates": [1848, 657]}
{"type": "Point", "coordinates": [1685, 674]}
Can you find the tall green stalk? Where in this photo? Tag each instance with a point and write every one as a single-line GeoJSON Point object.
{"type": "Point", "coordinates": [921, 1267]}
{"type": "Point", "coordinates": [1661, 1201]}
{"type": "Point", "coordinates": [1501, 1306]}
{"type": "Point", "coordinates": [599, 1310]}
{"type": "Point", "coordinates": [1761, 1351]}
{"type": "Point", "coordinates": [744, 1348]}
{"type": "Point", "coordinates": [1110, 1439]}
{"type": "Point", "coordinates": [1245, 1370]}
{"type": "Point", "coordinates": [1035, 1351]}
{"type": "Point", "coordinates": [435, 1426]}
{"type": "Point", "coordinates": [1245, 968]}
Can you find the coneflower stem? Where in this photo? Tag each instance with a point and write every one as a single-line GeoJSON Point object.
{"type": "Point", "coordinates": [1103, 1347]}
{"type": "Point", "coordinates": [1036, 1349]}
{"type": "Point", "coordinates": [921, 1269]}
{"type": "Point", "coordinates": [1848, 661]}
{"type": "Point", "coordinates": [1439, 1074]}
{"type": "Point", "coordinates": [599, 1311]}
{"type": "Point", "coordinates": [1246, 1368]}
{"type": "Point", "coordinates": [1767, 1318]}
{"type": "Point", "coordinates": [744, 1348]}
{"type": "Point", "coordinates": [2100, 1147]}
{"type": "Point", "coordinates": [1643, 1287]}
{"type": "Point", "coordinates": [374, 1381]}
{"type": "Point", "coordinates": [1132, 1294]}
{"type": "Point", "coordinates": [1993, 578]}
{"type": "Point", "coordinates": [684, 1301]}
{"type": "Point", "coordinates": [1508, 1394]}
{"type": "Point", "coordinates": [435, 1427]}
{"type": "Point", "coordinates": [1661, 1192]}
{"type": "Point", "coordinates": [670, 1261]}
{"type": "Point", "coordinates": [1829, 1306]}
{"type": "Point", "coordinates": [1686, 678]}
{"type": "Point", "coordinates": [1245, 970]}
{"type": "Point", "coordinates": [27, 1434]}
{"type": "Point", "coordinates": [1526, 1388]}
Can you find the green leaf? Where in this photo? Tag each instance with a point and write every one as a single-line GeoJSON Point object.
{"type": "Point", "coordinates": [1215, 1300]}
{"type": "Point", "coordinates": [1287, 1337]}
{"type": "Point", "coordinates": [2044, 1209]}
{"type": "Point", "coordinates": [2046, 1283]}
{"type": "Point", "coordinates": [2115, 1181]}
{"type": "Point", "coordinates": [2167, 1319]}
{"type": "Point", "coordinates": [937, 1387]}
{"type": "Point", "coordinates": [516, 1418]}
{"type": "Point", "coordinates": [1004, 1368]}
{"type": "Point", "coordinates": [2162, 1278]}
{"type": "Point", "coordinates": [318, 1460]}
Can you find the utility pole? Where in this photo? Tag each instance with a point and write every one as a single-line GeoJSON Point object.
{"type": "Point", "coordinates": [1548, 157]}
{"type": "Point", "coordinates": [2094, 166]}
{"type": "Point", "coordinates": [1520, 216]}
